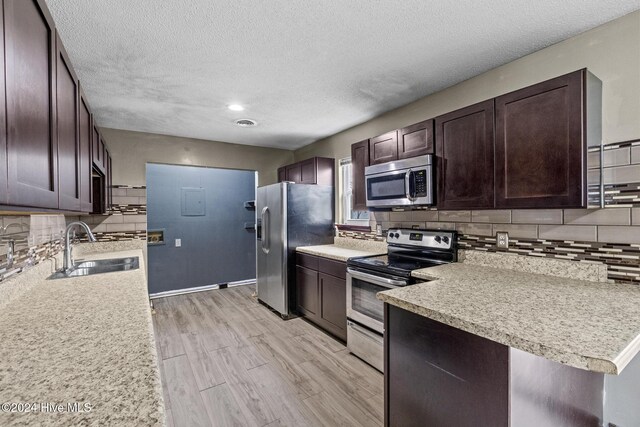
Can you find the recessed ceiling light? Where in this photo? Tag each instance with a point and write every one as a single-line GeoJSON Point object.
{"type": "Point", "coordinates": [235, 107]}
{"type": "Point", "coordinates": [245, 123]}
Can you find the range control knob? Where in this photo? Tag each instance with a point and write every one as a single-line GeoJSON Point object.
{"type": "Point", "coordinates": [437, 239]}
{"type": "Point", "coordinates": [397, 235]}
{"type": "Point", "coordinates": [445, 239]}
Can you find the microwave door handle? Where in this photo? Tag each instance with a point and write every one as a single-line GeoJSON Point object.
{"type": "Point", "coordinates": [407, 185]}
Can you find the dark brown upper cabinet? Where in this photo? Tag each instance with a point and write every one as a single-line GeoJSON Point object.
{"type": "Point", "coordinates": [359, 160]}
{"type": "Point", "coordinates": [293, 173]}
{"type": "Point", "coordinates": [308, 171]}
{"type": "Point", "coordinates": [30, 81]}
{"type": "Point", "coordinates": [85, 136]}
{"type": "Point", "coordinates": [316, 170]}
{"type": "Point", "coordinates": [383, 148]}
{"type": "Point", "coordinates": [108, 181]}
{"type": "Point", "coordinates": [415, 140]}
{"type": "Point", "coordinates": [464, 163]}
{"type": "Point", "coordinates": [99, 150]}
{"type": "Point", "coordinates": [3, 122]}
{"type": "Point", "coordinates": [67, 115]}
{"type": "Point", "coordinates": [540, 143]}
{"type": "Point", "coordinates": [282, 174]}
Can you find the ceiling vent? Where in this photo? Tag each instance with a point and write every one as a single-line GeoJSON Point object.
{"type": "Point", "coordinates": [246, 123]}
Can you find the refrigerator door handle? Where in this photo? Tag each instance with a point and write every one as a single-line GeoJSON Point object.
{"type": "Point", "coordinates": [264, 215]}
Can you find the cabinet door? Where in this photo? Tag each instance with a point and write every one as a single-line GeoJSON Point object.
{"type": "Point", "coordinates": [333, 304]}
{"type": "Point", "coordinates": [308, 171]}
{"type": "Point", "coordinates": [282, 174]}
{"type": "Point", "coordinates": [294, 173]}
{"type": "Point", "coordinates": [383, 148]}
{"type": "Point", "coordinates": [436, 375]}
{"type": "Point", "coordinates": [32, 163]}
{"type": "Point", "coordinates": [540, 145]}
{"type": "Point", "coordinates": [325, 171]}
{"type": "Point", "coordinates": [465, 149]}
{"type": "Point", "coordinates": [68, 131]}
{"type": "Point", "coordinates": [307, 291]}
{"type": "Point", "coordinates": [107, 181]}
{"type": "Point", "coordinates": [97, 149]}
{"type": "Point", "coordinates": [86, 131]}
{"type": "Point", "coordinates": [359, 160]}
{"type": "Point", "coordinates": [415, 140]}
{"type": "Point", "coordinates": [3, 123]}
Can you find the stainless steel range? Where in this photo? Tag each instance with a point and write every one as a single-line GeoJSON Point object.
{"type": "Point", "coordinates": [407, 250]}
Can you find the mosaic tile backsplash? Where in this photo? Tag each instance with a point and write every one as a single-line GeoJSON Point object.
{"type": "Point", "coordinates": [37, 237]}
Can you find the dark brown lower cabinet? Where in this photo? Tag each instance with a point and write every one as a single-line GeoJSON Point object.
{"type": "Point", "coordinates": [321, 293]}
{"type": "Point", "coordinates": [307, 291]}
{"type": "Point", "coordinates": [436, 375]}
{"type": "Point", "coordinates": [333, 304]}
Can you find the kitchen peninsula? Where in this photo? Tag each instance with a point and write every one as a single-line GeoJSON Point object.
{"type": "Point", "coordinates": [479, 345]}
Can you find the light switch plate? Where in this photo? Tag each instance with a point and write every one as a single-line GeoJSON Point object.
{"type": "Point", "coordinates": [379, 229]}
{"type": "Point", "coordinates": [178, 243]}
{"type": "Point", "coordinates": [502, 240]}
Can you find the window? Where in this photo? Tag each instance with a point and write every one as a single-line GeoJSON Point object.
{"type": "Point", "coordinates": [347, 214]}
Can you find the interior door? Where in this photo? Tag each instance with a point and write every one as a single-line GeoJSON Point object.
{"type": "Point", "coordinates": [203, 215]}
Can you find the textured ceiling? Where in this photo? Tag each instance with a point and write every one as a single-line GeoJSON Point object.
{"type": "Point", "coordinates": [303, 69]}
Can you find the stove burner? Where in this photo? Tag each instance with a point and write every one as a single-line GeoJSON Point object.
{"type": "Point", "coordinates": [407, 255]}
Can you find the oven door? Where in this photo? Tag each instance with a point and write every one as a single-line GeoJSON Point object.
{"type": "Point", "coordinates": [362, 305]}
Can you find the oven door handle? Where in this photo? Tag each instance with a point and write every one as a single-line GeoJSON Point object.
{"type": "Point", "coordinates": [381, 281]}
{"type": "Point", "coordinates": [374, 336]}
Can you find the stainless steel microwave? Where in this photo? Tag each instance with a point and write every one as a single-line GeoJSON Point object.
{"type": "Point", "coordinates": [407, 182]}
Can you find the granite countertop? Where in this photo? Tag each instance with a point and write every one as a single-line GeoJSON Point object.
{"type": "Point", "coordinates": [87, 340]}
{"type": "Point", "coordinates": [585, 324]}
{"type": "Point", "coordinates": [344, 248]}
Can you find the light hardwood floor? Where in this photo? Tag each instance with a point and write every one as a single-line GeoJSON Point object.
{"type": "Point", "coordinates": [226, 360]}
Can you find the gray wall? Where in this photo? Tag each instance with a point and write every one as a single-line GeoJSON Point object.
{"type": "Point", "coordinates": [131, 151]}
{"type": "Point", "coordinates": [215, 247]}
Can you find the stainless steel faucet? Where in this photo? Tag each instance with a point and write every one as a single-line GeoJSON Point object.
{"type": "Point", "coordinates": [68, 262]}
{"type": "Point", "coordinates": [11, 244]}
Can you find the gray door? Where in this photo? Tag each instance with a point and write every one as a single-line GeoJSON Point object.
{"type": "Point", "coordinates": [204, 209]}
{"type": "Point", "coordinates": [271, 249]}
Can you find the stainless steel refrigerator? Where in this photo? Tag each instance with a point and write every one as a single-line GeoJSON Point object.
{"type": "Point", "coordinates": [289, 215]}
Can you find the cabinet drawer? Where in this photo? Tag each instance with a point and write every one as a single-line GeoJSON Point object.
{"type": "Point", "coordinates": [332, 268]}
{"type": "Point", "coordinates": [308, 261]}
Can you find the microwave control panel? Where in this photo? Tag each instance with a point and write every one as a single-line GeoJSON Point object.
{"type": "Point", "coordinates": [420, 179]}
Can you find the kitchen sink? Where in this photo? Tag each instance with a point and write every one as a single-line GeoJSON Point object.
{"type": "Point", "coordinates": [98, 266]}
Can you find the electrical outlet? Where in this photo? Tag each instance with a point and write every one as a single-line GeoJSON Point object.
{"type": "Point", "coordinates": [379, 229]}
{"type": "Point", "coordinates": [502, 239]}
{"type": "Point", "coordinates": [178, 243]}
